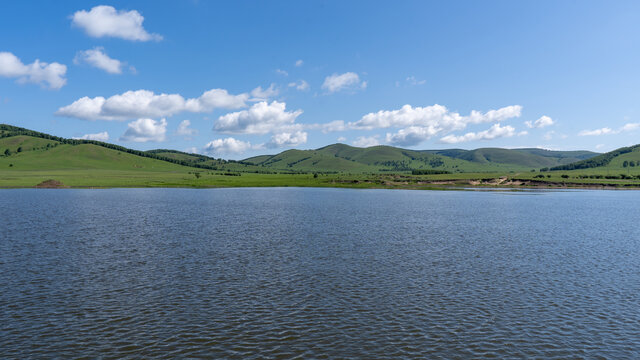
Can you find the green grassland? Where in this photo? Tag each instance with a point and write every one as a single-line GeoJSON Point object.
{"type": "Point", "coordinates": [345, 158]}
{"type": "Point", "coordinates": [28, 158]}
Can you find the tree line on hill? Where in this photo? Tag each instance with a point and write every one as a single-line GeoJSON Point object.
{"type": "Point", "coordinates": [8, 131]}
{"type": "Point", "coordinates": [600, 160]}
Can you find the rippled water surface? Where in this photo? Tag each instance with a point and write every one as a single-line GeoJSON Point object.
{"type": "Point", "coordinates": [319, 273]}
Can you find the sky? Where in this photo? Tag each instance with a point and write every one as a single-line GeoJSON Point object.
{"type": "Point", "coordinates": [236, 79]}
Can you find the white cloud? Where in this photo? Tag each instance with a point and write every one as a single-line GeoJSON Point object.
{"type": "Point", "coordinates": [216, 99]}
{"type": "Point", "coordinates": [282, 72]}
{"type": "Point", "coordinates": [227, 146]}
{"type": "Point", "coordinates": [299, 63]}
{"type": "Point", "coordinates": [261, 118]}
{"type": "Point", "coordinates": [411, 135]}
{"type": "Point", "coordinates": [342, 139]}
{"type": "Point", "coordinates": [523, 133]}
{"type": "Point", "coordinates": [143, 130]}
{"type": "Point", "coordinates": [147, 104]}
{"type": "Point", "coordinates": [106, 21]}
{"type": "Point", "coordinates": [184, 130]}
{"type": "Point", "coordinates": [287, 139]}
{"type": "Point", "coordinates": [421, 123]}
{"type": "Point", "coordinates": [436, 118]}
{"type": "Point", "coordinates": [260, 94]}
{"type": "Point", "coordinates": [543, 121]}
{"type": "Point", "coordinates": [597, 132]}
{"type": "Point", "coordinates": [364, 141]}
{"type": "Point", "coordinates": [629, 127]}
{"type": "Point", "coordinates": [333, 126]}
{"type": "Point", "coordinates": [97, 58]}
{"type": "Point", "coordinates": [300, 85]}
{"type": "Point", "coordinates": [608, 131]}
{"type": "Point", "coordinates": [413, 81]}
{"type": "Point", "coordinates": [36, 72]}
{"type": "Point", "coordinates": [338, 82]}
{"type": "Point", "coordinates": [102, 136]}
{"type": "Point", "coordinates": [494, 132]}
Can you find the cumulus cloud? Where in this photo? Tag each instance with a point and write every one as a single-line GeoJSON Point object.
{"type": "Point", "coordinates": [364, 141]}
{"type": "Point", "coordinates": [147, 104]}
{"type": "Point", "coordinates": [227, 146]}
{"type": "Point", "coordinates": [608, 131]}
{"type": "Point", "coordinates": [102, 136]}
{"type": "Point", "coordinates": [260, 94]}
{"type": "Point", "coordinates": [346, 81]}
{"type": "Point", "coordinates": [421, 123]}
{"type": "Point", "coordinates": [261, 118]}
{"type": "Point", "coordinates": [543, 121]}
{"type": "Point", "coordinates": [97, 58]}
{"type": "Point", "coordinates": [342, 139]}
{"type": "Point", "coordinates": [216, 99]}
{"type": "Point", "coordinates": [436, 118]}
{"type": "Point", "coordinates": [106, 21]}
{"type": "Point", "coordinates": [143, 130]}
{"type": "Point", "coordinates": [299, 63]}
{"type": "Point", "coordinates": [495, 131]}
{"type": "Point", "coordinates": [287, 139]}
{"type": "Point", "coordinates": [300, 85]}
{"type": "Point", "coordinates": [184, 130]}
{"type": "Point", "coordinates": [37, 72]}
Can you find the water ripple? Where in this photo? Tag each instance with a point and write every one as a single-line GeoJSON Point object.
{"type": "Point", "coordinates": [318, 273]}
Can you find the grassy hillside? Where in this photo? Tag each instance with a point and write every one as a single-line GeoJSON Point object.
{"type": "Point", "coordinates": [203, 160]}
{"type": "Point", "coordinates": [532, 158]}
{"type": "Point", "coordinates": [613, 160]}
{"type": "Point", "coordinates": [345, 158]}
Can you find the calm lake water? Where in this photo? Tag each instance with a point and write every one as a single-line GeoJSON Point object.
{"type": "Point", "coordinates": [319, 273]}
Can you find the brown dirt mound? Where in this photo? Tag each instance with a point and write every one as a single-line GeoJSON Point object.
{"type": "Point", "coordinates": [51, 184]}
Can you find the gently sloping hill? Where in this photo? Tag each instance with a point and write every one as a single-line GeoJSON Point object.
{"type": "Point", "coordinates": [528, 158]}
{"type": "Point", "coordinates": [200, 160]}
{"type": "Point", "coordinates": [22, 143]}
{"type": "Point", "coordinates": [84, 157]}
{"type": "Point", "coordinates": [612, 160]}
{"type": "Point", "coordinates": [8, 131]}
{"type": "Point", "coordinates": [345, 158]}
{"type": "Point", "coordinates": [308, 160]}
{"type": "Point", "coordinates": [564, 157]}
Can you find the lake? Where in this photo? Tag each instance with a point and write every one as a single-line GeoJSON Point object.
{"type": "Point", "coordinates": [319, 273]}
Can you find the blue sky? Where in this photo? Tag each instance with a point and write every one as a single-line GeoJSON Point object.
{"type": "Point", "coordinates": [240, 78]}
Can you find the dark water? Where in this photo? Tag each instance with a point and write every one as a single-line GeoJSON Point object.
{"type": "Point", "coordinates": [319, 273]}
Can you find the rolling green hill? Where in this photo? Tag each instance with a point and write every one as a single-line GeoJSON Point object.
{"type": "Point", "coordinates": [29, 158]}
{"type": "Point", "coordinates": [199, 160]}
{"type": "Point", "coordinates": [345, 158]}
{"type": "Point", "coordinates": [534, 158]}
{"type": "Point", "coordinates": [622, 159]}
